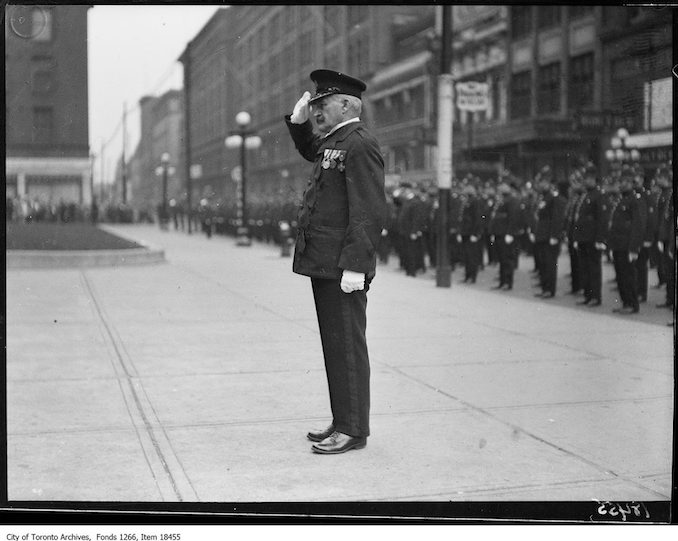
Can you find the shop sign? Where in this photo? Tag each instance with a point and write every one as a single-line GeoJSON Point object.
{"type": "Point", "coordinates": [601, 121]}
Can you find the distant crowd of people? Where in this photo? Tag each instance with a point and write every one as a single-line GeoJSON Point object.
{"type": "Point", "coordinates": [624, 217]}
{"type": "Point", "coordinates": [33, 209]}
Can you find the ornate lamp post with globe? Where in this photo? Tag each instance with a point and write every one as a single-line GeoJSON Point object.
{"type": "Point", "coordinates": [164, 169]}
{"type": "Point", "coordinates": [621, 153]}
{"type": "Point", "coordinates": [243, 139]}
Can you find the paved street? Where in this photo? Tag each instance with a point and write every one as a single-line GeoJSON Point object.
{"type": "Point", "coordinates": [196, 380]}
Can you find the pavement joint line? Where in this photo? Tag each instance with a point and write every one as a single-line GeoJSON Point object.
{"type": "Point", "coordinates": [134, 393]}
{"type": "Point", "coordinates": [486, 412]}
{"type": "Point", "coordinates": [559, 448]}
{"type": "Point", "coordinates": [297, 322]}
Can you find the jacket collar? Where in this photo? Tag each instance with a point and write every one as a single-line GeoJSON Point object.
{"type": "Point", "coordinates": [343, 131]}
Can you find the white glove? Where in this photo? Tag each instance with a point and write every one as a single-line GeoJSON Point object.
{"type": "Point", "coordinates": [660, 246]}
{"type": "Point", "coordinates": [532, 237]}
{"type": "Point", "coordinates": [352, 281]}
{"type": "Point", "coordinates": [459, 239]}
{"type": "Point", "coordinates": [300, 113]}
{"type": "Point", "coordinates": [647, 244]}
{"type": "Point", "coordinates": [473, 238]}
{"type": "Point", "coordinates": [633, 256]}
{"type": "Point", "coordinates": [575, 245]}
{"type": "Point", "coordinates": [492, 239]}
{"type": "Point", "coordinates": [508, 239]}
{"type": "Point", "coordinates": [553, 241]}
{"type": "Point", "coordinates": [600, 246]}
{"type": "Point", "coordinates": [384, 232]}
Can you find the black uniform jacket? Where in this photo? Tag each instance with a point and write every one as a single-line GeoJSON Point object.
{"type": "Point", "coordinates": [505, 218]}
{"type": "Point", "coordinates": [344, 206]}
{"type": "Point", "coordinates": [627, 225]}
{"type": "Point", "coordinates": [550, 217]}
{"type": "Point", "coordinates": [590, 219]}
{"type": "Point", "coordinates": [472, 217]}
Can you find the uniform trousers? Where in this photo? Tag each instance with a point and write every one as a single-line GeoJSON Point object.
{"type": "Point", "coordinates": [342, 320]}
{"type": "Point", "coordinates": [472, 257]}
{"type": "Point", "coordinates": [548, 266]}
{"type": "Point", "coordinates": [508, 259]}
{"type": "Point", "coordinates": [642, 272]}
{"type": "Point", "coordinates": [626, 278]}
{"type": "Point", "coordinates": [575, 268]}
{"type": "Point", "coordinates": [669, 265]}
{"type": "Point", "coordinates": [590, 270]}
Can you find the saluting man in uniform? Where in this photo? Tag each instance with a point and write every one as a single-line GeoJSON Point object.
{"type": "Point", "coordinates": [339, 225]}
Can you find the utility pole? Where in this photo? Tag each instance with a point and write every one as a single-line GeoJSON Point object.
{"type": "Point", "coordinates": [101, 180]}
{"type": "Point", "coordinates": [187, 133]}
{"type": "Point", "coordinates": [445, 112]}
{"type": "Point", "coordinates": [124, 144]}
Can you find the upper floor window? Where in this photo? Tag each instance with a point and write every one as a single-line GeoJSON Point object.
{"type": "Point", "coordinates": [521, 94]}
{"type": "Point", "coordinates": [357, 14]}
{"type": "Point", "coordinates": [580, 92]}
{"type": "Point", "coordinates": [580, 10]}
{"type": "Point", "coordinates": [548, 16]}
{"type": "Point", "coordinates": [521, 21]}
{"type": "Point", "coordinates": [548, 82]}
{"type": "Point", "coordinates": [43, 125]}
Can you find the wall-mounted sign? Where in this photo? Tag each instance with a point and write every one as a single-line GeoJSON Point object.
{"type": "Point", "coordinates": [472, 96]}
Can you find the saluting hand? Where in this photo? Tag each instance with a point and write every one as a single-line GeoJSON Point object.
{"type": "Point", "coordinates": [300, 112]}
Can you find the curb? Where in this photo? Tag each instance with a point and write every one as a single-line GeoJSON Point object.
{"type": "Point", "coordinates": [37, 259]}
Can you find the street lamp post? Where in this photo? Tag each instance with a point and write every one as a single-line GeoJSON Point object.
{"type": "Point", "coordinates": [243, 139]}
{"type": "Point", "coordinates": [621, 153]}
{"type": "Point", "coordinates": [164, 170]}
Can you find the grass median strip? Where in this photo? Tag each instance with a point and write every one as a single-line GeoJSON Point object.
{"type": "Point", "coordinates": [58, 236]}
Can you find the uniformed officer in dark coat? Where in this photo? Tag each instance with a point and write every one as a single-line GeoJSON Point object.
{"type": "Point", "coordinates": [548, 234]}
{"type": "Point", "coordinates": [340, 221]}
{"type": "Point", "coordinates": [575, 199]}
{"type": "Point", "coordinates": [590, 227]}
{"type": "Point", "coordinates": [471, 232]}
{"type": "Point", "coordinates": [642, 263]}
{"type": "Point", "coordinates": [625, 239]}
{"type": "Point", "coordinates": [504, 227]}
{"type": "Point", "coordinates": [666, 236]}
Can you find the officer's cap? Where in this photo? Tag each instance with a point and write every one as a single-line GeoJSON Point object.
{"type": "Point", "coordinates": [590, 171]}
{"type": "Point", "coordinates": [627, 173]}
{"type": "Point", "coordinates": [663, 172]}
{"type": "Point", "coordinates": [330, 82]}
{"type": "Point", "coordinates": [504, 188]}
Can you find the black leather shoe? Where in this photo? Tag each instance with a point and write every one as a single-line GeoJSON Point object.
{"type": "Point", "coordinates": [497, 287]}
{"type": "Point", "coordinates": [337, 443]}
{"type": "Point", "coordinates": [585, 301]}
{"type": "Point", "coordinates": [548, 295]}
{"type": "Point", "coordinates": [595, 302]}
{"type": "Point", "coordinates": [629, 310]}
{"type": "Point", "coordinates": [320, 435]}
{"type": "Point", "coordinates": [665, 305]}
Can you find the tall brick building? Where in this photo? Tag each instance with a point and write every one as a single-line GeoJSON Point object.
{"type": "Point", "coordinates": [46, 103]}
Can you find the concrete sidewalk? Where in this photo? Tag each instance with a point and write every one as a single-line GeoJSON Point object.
{"type": "Point", "coordinates": [196, 380]}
